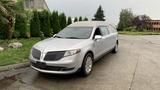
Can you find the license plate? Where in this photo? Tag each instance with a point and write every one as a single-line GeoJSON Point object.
{"type": "Point", "coordinates": [41, 65]}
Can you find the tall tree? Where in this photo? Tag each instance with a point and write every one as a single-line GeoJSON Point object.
{"type": "Point", "coordinates": [6, 16]}
{"type": "Point", "coordinates": [85, 19]}
{"type": "Point", "coordinates": [80, 18]}
{"type": "Point", "coordinates": [99, 16]}
{"type": "Point", "coordinates": [55, 22]}
{"type": "Point", "coordinates": [140, 22]}
{"type": "Point", "coordinates": [35, 25]}
{"type": "Point", "coordinates": [62, 20]}
{"type": "Point", "coordinates": [126, 19]}
{"type": "Point", "coordinates": [45, 27]}
{"type": "Point", "coordinates": [69, 21]}
{"type": "Point", "coordinates": [75, 19]}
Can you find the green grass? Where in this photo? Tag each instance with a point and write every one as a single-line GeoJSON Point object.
{"type": "Point", "coordinates": [13, 56]}
{"type": "Point", "coordinates": [138, 33]}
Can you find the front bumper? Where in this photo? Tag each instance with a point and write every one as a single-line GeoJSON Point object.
{"type": "Point", "coordinates": [66, 65]}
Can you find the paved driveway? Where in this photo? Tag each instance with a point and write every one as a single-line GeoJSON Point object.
{"type": "Point", "coordinates": [135, 67]}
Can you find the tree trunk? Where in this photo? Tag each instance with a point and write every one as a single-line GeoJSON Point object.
{"type": "Point", "coordinates": [9, 27]}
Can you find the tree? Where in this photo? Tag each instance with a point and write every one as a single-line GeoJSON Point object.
{"type": "Point", "coordinates": [6, 16]}
{"type": "Point", "coordinates": [75, 19]}
{"type": "Point", "coordinates": [21, 26]}
{"type": "Point", "coordinates": [62, 20]}
{"type": "Point", "coordinates": [69, 21]}
{"type": "Point", "coordinates": [80, 18]}
{"type": "Point", "coordinates": [35, 25]}
{"type": "Point", "coordinates": [99, 16]}
{"type": "Point", "coordinates": [55, 25]}
{"type": "Point", "coordinates": [45, 27]}
{"type": "Point", "coordinates": [85, 19]}
{"type": "Point", "coordinates": [126, 19]}
{"type": "Point", "coordinates": [140, 22]}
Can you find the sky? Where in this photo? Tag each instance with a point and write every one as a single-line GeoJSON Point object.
{"type": "Point", "coordinates": [112, 8]}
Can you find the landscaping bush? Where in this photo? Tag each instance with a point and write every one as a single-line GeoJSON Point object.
{"type": "Point", "coordinates": [69, 21]}
{"type": "Point", "coordinates": [35, 25]}
{"type": "Point", "coordinates": [132, 29]}
{"type": "Point", "coordinates": [21, 28]}
{"type": "Point", "coordinates": [75, 19]}
{"type": "Point", "coordinates": [62, 20]}
{"type": "Point", "coordinates": [44, 18]}
{"type": "Point", "coordinates": [3, 29]}
{"type": "Point", "coordinates": [85, 19]}
{"type": "Point", "coordinates": [80, 18]}
{"type": "Point", "coordinates": [55, 25]}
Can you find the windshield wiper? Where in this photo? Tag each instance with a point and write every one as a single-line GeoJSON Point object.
{"type": "Point", "coordinates": [73, 37]}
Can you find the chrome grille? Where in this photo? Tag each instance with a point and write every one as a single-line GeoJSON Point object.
{"type": "Point", "coordinates": [54, 56]}
{"type": "Point", "coordinates": [36, 53]}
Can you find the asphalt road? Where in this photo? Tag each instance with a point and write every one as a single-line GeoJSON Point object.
{"type": "Point", "coordinates": [135, 67]}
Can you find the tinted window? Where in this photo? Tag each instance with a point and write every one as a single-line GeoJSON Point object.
{"type": "Point", "coordinates": [75, 33]}
{"type": "Point", "coordinates": [104, 31]}
{"type": "Point", "coordinates": [97, 32]}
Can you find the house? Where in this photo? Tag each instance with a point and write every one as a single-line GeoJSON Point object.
{"type": "Point", "coordinates": [152, 25]}
{"type": "Point", "coordinates": [144, 22]}
{"type": "Point", "coordinates": [35, 4]}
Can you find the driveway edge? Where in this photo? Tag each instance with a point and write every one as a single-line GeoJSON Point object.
{"type": "Point", "coordinates": [14, 66]}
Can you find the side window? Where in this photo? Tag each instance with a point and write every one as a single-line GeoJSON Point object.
{"type": "Point", "coordinates": [104, 31]}
{"type": "Point", "coordinates": [97, 32]}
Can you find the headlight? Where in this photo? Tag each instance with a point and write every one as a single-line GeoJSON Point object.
{"type": "Point", "coordinates": [71, 52]}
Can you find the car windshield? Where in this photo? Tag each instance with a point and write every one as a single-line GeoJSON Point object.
{"type": "Point", "coordinates": [75, 33]}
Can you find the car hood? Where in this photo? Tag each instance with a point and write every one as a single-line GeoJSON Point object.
{"type": "Point", "coordinates": [58, 44]}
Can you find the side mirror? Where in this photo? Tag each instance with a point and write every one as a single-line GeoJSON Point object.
{"type": "Point", "coordinates": [97, 37]}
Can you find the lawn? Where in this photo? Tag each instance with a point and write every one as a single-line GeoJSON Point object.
{"type": "Point", "coordinates": [138, 33]}
{"type": "Point", "coordinates": [13, 56]}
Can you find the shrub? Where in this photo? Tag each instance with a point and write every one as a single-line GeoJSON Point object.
{"type": "Point", "coordinates": [35, 25]}
{"type": "Point", "coordinates": [69, 21]}
{"type": "Point", "coordinates": [3, 29]}
{"type": "Point", "coordinates": [80, 18]}
{"type": "Point", "coordinates": [85, 19]}
{"type": "Point", "coordinates": [62, 20]}
{"type": "Point", "coordinates": [55, 23]}
{"type": "Point", "coordinates": [44, 18]}
{"type": "Point", "coordinates": [132, 29]}
{"type": "Point", "coordinates": [75, 19]}
{"type": "Point", "coordinates": [21, 29]}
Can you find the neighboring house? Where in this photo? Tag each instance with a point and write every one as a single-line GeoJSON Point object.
{"type": "Point", "coordinates": [35, 4]}
{"type": "Point", "coordinates": [143, 22]}
{"type": "Point", "coordinates": [152, 25]}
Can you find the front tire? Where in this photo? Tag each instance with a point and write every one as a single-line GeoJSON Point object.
{"type": "Point", "coordinates": [87, 65]}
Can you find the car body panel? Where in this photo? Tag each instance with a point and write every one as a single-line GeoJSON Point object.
{"type": "Point", "coordinates": [97, 47]}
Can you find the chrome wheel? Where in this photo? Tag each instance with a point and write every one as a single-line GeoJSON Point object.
{"type": "Point", "coordinates": [88, 66]}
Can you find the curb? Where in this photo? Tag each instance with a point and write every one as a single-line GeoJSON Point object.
{"type": "Point", "coordinates": [14, 66]}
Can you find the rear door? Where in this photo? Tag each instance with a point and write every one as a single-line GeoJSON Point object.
{"type": "Point", "coordinates": [106, 38]}
{"type": "Point", "coordinates": [98, 44]}
{"type": "Point", "coordinates": [113, 36]}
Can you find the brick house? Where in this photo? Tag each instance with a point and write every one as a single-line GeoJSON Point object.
{"type": "Point", "coordinates": [152, 25]}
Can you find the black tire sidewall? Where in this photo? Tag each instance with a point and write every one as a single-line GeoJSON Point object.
{"type": "Point", "coordinates": [83, 69]}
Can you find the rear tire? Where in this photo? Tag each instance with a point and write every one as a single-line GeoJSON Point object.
{"type": "Point", "coordinates": [87, 65]}
{"type": "Point", "coordinates": [115, 50]}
